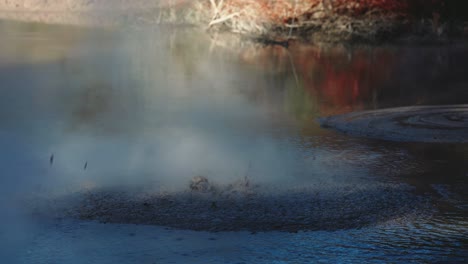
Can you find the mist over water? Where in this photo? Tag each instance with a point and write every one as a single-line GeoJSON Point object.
{"type": "Point", "coordinates": [136, 110]}
{"type": "Point", "coordinates": [156, 107]}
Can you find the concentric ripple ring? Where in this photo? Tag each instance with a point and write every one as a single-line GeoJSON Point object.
{"type": "Point", "coordinates": [440, 123]}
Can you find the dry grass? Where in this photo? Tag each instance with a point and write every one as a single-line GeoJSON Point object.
{"type": "Point", "coordinates": [285, 19]}
{"type": "Point", "coordinates": [280, 20]}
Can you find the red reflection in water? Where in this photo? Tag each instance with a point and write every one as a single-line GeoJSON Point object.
{"type": "Point", "coordinates": [336, 80]}
{"type": "Point", "coordinates": [342, 80]}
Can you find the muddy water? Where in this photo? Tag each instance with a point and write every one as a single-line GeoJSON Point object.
{"type": "Point", "coordinates": [90, 110]}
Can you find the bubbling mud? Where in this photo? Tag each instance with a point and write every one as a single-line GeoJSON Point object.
{"type": "Point", "coordinates": [243, 206]}
{"type": "Point", "coordinates": [436, 124]}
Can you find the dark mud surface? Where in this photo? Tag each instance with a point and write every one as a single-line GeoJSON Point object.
{"type": "Point", "coordinates": [237, 207]}
{"type": "Point", "coordinates": [436, 124]}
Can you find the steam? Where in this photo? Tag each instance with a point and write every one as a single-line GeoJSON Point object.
{"type": "Point", "coordinates": [150, 108]}
{"type": "Point", "coordinates": [153, 107]}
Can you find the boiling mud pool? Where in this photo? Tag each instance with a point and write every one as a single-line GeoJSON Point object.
{"type": "Point", "coordinates": [83, 112]}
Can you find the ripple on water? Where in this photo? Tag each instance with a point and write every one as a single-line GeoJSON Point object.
{"type": "Point", "coordinates": [442, 123]}
{"type": "Point", "coordinates": [247, 207]}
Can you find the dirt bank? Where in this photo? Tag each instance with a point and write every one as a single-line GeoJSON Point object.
{"type": "Point", "coordinates": [271, 22]}
{"type": "Point", "coordinates": [76, 12]}
{"type": "Point", "coordinates": [279, 20]}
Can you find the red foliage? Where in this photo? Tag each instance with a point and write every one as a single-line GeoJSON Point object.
{"type": "Point", "coordinates": [276, 11]}
{"type": "Point", "coordinates": [281, 11]}
{"type": "Point", "coordinates": [363, 6]}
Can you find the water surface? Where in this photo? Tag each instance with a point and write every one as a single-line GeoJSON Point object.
{"type": "Point", "coordinates": [156, 107]}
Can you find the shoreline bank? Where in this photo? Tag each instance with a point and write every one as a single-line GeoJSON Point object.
{"type": "Point", "coordinates": [276, 22]}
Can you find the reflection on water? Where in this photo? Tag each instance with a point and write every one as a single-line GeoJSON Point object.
{"type": "Point", "coordinates": [161, 106]}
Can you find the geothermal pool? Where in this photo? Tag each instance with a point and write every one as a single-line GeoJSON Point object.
{"type": "Point", "coordinates": [102, 131]}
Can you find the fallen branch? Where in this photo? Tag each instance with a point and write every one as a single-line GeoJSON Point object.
{"type": "Point", "coordinates": [222, 19]}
